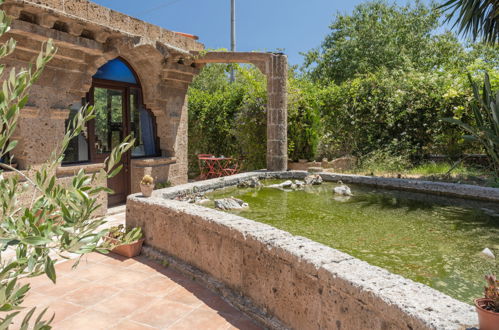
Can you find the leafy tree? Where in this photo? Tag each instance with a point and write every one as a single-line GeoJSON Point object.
{"type": "Point", "coordinates": [58, 220]}
{"type": "Point", "coordinates": [380, 35]}
{"type": "Point", "coordinates": [476, 18]}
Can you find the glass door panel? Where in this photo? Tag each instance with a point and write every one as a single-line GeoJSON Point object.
{"type": "Point", "coordinates": [108, 107]}
{"type": "Point", "coordinates": [107, 130]}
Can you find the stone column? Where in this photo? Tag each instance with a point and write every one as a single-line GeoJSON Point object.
{"type": "Point", "coordinates": [172, 129]}
{"type": "Point", "coordinates": [277, 113]}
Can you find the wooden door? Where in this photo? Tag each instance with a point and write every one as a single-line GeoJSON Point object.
{"type": "Point", "coordinates": [107, 130]}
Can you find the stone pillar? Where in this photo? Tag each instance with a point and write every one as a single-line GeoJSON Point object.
{"type": "Point", "coordinates": [172, 129]}
{"type": "Point", "coordinates": [277, 113]}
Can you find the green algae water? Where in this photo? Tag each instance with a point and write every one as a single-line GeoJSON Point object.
{"type": "Point", "coordinates": [427, 238]}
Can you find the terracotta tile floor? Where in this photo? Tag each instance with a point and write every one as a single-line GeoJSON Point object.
{"type": "Point", "coordinates": [111, 292]}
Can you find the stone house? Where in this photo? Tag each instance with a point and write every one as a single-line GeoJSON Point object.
{"type": "Point", "coordinates": [135, 74]}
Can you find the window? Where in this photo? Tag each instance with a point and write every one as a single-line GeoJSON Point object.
{"type": "Point", "coordinates": [77, 151]}
{"type": "Point", "coordinates": [116, 70]}
{"type": "Point", "coordinates": [142, 127]}
{"type": "Point", "coordinates": [120, 111]}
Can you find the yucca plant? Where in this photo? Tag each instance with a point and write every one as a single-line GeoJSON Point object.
{"type": "Point", "coordinates": [485, 130]}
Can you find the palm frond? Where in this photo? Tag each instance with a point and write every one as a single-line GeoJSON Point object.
{"type": "Point", "coordinates": [478, 19]}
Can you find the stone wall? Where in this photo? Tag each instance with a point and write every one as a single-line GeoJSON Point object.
{"type": "Point", "coordinates": [87, 36]}
{"type": "Point", "coordinates": [284, 280]}
{"type": "Point", "coordinates": [64, 177]}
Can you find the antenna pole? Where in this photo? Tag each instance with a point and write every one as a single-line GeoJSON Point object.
{"type": "Point", "coordinates": [232, 34]}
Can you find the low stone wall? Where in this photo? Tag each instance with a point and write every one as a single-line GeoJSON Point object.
{"type": "Point", "coordinates": [338, 164]}
{"type": "Point", "coordinates": [64, 176]}
{"type": "Point", "coordinates": [287, 281]}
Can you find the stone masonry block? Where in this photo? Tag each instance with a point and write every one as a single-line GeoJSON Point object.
{"type": "Point", "coordinates": [98, 14]}
{"type": "Point", "coordinates": [55, 4]}
{"type": "Point", "coordinates": [77, 8]}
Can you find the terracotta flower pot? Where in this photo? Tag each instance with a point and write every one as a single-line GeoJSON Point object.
{"type": "Point", "coordinates": [127, 250]}
{"type": "Point", "coordinates": [146, 189]}
{"type": "Point", "coordinates": [488, 320]}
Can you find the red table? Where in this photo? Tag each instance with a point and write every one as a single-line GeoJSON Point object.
{"type": "Point", "coordinates": [215, 167]}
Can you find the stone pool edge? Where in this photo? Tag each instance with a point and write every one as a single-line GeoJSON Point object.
{"type": "Point", "coordinates": [429, 187]}
{"type": "Point", "coordinates": [284, 280]}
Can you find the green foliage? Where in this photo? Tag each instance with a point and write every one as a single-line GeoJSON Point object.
{"type": "Point", "coordinates": [58, 220]}
{"type": "Point", "coordinates": [397, 111]}
{"type": "Point", "coordinates": [161, 185]}
{"type": "Point", "coordinates": [383, 161]}
{"type": "Point", "coordinates": [478, 19]}
{"type": "Point", "coordinates": [303, 119]}
{"type": "Point", "coordinates": [387, 79]}
{"type": "Point", "coordinates": [380, 35]}
{"type": "Point", "coordinates": [380, 85]}
{"type": "Point", "coordinates": [125, 235]}
{"type": "Point", "coordinates": [228, 119]}
{"type": "Point", "coordinates": [485, 128]}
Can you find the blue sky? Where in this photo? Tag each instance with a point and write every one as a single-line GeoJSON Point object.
{"type": "Point", "coordinates": [262, 25]}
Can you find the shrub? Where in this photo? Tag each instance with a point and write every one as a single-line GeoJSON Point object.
{"type": "Point", "coordinates": [304, 124]}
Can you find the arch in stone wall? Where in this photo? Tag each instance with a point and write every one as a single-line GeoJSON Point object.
{"type": "Point", "coordinates": [275, 67]}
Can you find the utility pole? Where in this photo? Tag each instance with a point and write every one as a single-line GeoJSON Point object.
{"type": "Point", "coordinates": [232, 34]}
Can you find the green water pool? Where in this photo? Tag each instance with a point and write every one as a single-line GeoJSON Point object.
{"type": "Point", "coordinates": [427, 238]}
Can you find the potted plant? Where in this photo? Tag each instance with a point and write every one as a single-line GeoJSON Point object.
{"type": "Point", "coordinates": [488, 306]}
{"type": "Point", "coordinates": [147, 185]}
{"type": "Point", "coordinates": [126, 242]}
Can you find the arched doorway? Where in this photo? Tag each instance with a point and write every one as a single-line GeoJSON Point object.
{"type": "Point", "coordinates": [116, 95]}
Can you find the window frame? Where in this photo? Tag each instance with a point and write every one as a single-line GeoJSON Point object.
{"type": "Point", "coordinates": [126, 86]}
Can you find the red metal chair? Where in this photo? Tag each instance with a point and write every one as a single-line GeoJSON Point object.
{"type": "Point", "coordinates": [205, 168]}
{"type": "Point", "coordinates": [232, 167]}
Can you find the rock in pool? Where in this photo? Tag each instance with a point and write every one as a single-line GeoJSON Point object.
{"type": "Point", "coordinates": [250, 183]}
{"type": "Point", "coordinates": [342, 190]}
{"type": "Point", "coordinates": [284, 185]}
{"type": "Point", "coordinates": [313, 179]}
{"type": "Point", "coordinates": [230, 204]}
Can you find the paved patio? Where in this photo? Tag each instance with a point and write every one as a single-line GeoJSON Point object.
{"type": "Point", "coordinates": [112, 292]}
